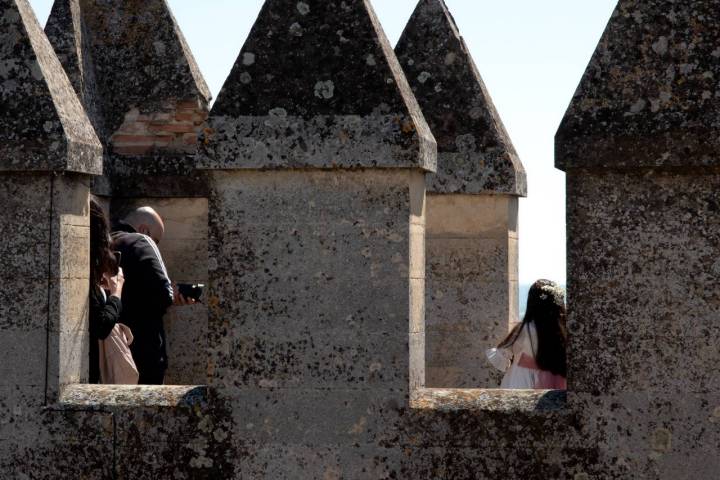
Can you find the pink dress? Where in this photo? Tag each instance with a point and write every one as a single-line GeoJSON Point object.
{"type": "Point", "coordinates": [523, 372]}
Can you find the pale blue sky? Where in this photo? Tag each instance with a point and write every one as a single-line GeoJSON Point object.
{"type": "Point", "coordinates": [530, 53]}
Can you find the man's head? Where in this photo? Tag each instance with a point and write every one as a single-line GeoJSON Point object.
{"type": "Point", "coordinates": [145, 220]}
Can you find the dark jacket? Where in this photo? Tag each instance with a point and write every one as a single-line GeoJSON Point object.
{"type": "Point", "coordinates": [104, 314]}
{"type": "Point", "coordinates": [147, 294]}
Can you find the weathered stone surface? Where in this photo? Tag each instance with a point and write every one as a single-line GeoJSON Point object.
{"type": "Point", "coordinates": [43, 126]}
{"type": "Point", "coordinates": [43, 309]}
{"type": "Point", "coordinates": [475, 153]}
{"type": "Point", "coordinates": [642, 242]}
{"type": "Point", "coordinates": [295, 257]}
{"type": "Point", "coordinates": [651, 304]}
{"type": "Point", "coordinates": [124, 396]}
{"type": "Point", "coordinates": [25, 267]}
{"type": "Point", "coordinates": [44, 277]}
{"type": "Point", "coordinates": [317, 85]}
{"type": "Point", "coordinates": [55, 444]}
{"type": "Point", "coordinates": [158, 176]}
{"type": "Point", "coordinates": [166, 431]}
{"type": "Point", "coordinates": [489, 400]}
{"type": "Point", "coordinates": [20, 368]}
{"type": "Point", "coordinates": [281, 305]}
{"type": "Point", "coordinates": [649, 96]}
{"type": "Point", "coordinates": [68, 35]}
{"type": "Point", "coordinates": [44, 317]}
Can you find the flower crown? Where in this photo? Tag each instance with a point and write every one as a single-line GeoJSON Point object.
{"type": "Point", "coordinates": [552, 290]}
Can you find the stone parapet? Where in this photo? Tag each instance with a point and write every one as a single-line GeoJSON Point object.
{"type": "Point", "coordinates": [316, 331]}
{"type": "Point", "coordinates": [279, 141]}
{"type": "Point", "coordinates": [472, 205]}
{"type": "Point", "coordinates": [317, 154]}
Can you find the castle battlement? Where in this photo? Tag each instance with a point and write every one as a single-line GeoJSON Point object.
{"type": "Point", "coordinates": [353, 209]}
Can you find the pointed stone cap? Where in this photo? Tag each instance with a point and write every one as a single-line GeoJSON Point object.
{"type": "Point", "coordinates": [68, 36]}
{"type": "Point", "coordinates": [43, 126]}
{"type": "Point", "coordinates": [650, 96]}
{"type": "Point", "coordinates": [317, 85]}
{"type": "Point", "coordinates": [475, 153]}
{"type": "Point", "coordinates": [125, 57]}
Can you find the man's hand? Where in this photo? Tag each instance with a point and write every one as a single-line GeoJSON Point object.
{"type": "Point", "coordinates": [179, 300]}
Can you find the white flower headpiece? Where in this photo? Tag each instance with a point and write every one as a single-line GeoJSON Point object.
{"type": "Point", "coordinates": [553, 290]}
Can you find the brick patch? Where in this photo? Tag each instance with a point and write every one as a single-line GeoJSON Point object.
{"type": "Point", "coordinates": [175, 128]}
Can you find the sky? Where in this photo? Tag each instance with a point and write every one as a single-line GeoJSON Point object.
{"type": "Point", "coordinates": [530, 53]}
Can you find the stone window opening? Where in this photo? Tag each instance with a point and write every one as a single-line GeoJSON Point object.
{"type": "Point", "coordinates": [183, 248]}
{"type": "Point", "coordinates": [449, 224]}
{"type": "Point", "coordinates": [184, 252]}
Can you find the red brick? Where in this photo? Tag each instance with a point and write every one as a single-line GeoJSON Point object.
{"type": "Point", "coordinates": [133, 150]}
{"type": "Point", "coordinates": [162, 116]}
{"type": "Point", "coordinates": [189, 104]}
{"type": "Point", "coordinates": [133, 139]}
{"type": "Point", "coordinates": [185, 117]}
{"type": "Point", "coordinates": [173, 128]}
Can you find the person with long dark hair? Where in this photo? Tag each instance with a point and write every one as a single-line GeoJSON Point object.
{"type": "Point", "coordinates": [106, 285]}
{"type": "Point", "coordinates": [533, 355]}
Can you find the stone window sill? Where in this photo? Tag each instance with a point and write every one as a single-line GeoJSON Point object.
{"type": "Point", "coordinates": [488, 400]}
{"type": "Point", "coordinates": [132, 396]}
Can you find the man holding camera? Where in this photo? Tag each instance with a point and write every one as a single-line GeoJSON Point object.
{"type": "Point", "coordinates": [148, 291]}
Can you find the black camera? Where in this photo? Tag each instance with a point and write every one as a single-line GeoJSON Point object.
{"type": "Point", "coordinates": [189, 290]}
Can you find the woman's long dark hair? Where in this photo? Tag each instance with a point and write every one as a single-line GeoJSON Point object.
{"type": "Point", "coordinates": [546, 309]}
{"type": "Point", "coordinates": [102, 258]}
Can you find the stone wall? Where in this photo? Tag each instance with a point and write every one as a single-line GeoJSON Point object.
{"type": "Point", "coordinates": [45, 283]}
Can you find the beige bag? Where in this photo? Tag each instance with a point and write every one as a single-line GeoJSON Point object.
{"type": "Point", "coordinates": [117, 366]}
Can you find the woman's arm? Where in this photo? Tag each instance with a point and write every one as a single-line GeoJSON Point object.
{"type": "Point", "coordinates": [500, 358]}
{"type": "Point", "coordinates": [103, 316]}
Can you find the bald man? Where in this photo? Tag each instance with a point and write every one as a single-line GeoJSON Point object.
{"type": "Point", "coordinates": [148, 291]}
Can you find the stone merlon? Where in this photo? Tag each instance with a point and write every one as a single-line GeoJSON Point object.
{"type": "Point", "coordinates": [317, 85]}
{"type": "Point", "coordinates": [650, 96]}
{"type": "Point", "coordinates": [122, 56]}
{"type": "Point", "coordinates": [43, 126]}
{"type": "Point", "coordinates": [475, 153]}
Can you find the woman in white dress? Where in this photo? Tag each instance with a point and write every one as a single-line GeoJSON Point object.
{"type": "Point", "coordinates": [533, 355]}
